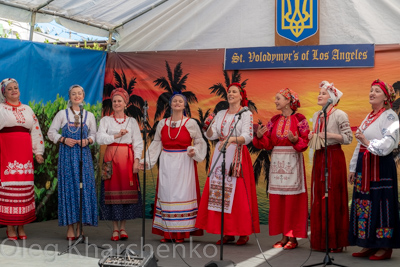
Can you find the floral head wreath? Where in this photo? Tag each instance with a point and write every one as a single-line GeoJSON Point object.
{"type": "Point", "coordinates": [243, 94]}
{"type": "Point", "coordinates": [333, 92]}
{"type": "Point", "coordinates": [292, 96]}
{"type": "Point", "coordinates": [387, 90]}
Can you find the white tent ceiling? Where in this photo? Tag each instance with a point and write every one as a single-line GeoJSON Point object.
{"type": "Point", "coordinates": [148, 25]}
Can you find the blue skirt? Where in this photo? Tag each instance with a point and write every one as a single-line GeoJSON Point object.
{"type": "Point", "coordinates": [119, 212]}
{"type": "Point", "coordinates": [68, 187]}
{"type": "Point", "coordinates": [374, 217]}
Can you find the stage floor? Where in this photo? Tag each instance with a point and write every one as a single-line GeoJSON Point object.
{"type": "Point", "coordinates": [46, 239]}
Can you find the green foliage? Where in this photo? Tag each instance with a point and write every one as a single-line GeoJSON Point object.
{"type": "Point", "coordinates": [46, 195]}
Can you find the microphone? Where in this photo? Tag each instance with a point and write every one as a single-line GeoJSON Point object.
{"type": "Point", "coordinates": [81, 106]}
{"type": "Point", "coordinates": [330, 101]}
{"type": "Point", "coordinates": [244, 109]}
{"type": "Point", "coordinates": [145, 108]}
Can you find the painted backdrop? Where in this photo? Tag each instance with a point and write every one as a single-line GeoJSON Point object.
{"type": "Point", "coordinates": [149, 76]}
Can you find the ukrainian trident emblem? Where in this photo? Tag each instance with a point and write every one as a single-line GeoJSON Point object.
{"type": "Point", "coordinates": [296, 20]}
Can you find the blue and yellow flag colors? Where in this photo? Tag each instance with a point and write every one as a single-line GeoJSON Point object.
{"type": "Point", "coordinates": [296, 20]}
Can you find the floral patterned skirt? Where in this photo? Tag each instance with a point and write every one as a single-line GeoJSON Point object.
{"type": "Point", "coordinates": [374, 218]}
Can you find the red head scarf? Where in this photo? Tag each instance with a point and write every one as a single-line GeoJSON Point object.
{"type": "Point", "coordinates": [121, 92]}
{"type": "Point", "coordinates": [243, 94]}
{"type": "Point", "coordinates": [292, 96]}
{"type": "Point", "coordinates": [387, 90]}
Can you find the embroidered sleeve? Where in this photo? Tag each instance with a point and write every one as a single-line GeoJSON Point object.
{"type": "Point", "coordinates": [390, 132]}
{"type": "Point", "coordinates": [36, 136]}
{"type": "Point", "coordinates": [247, 127]}
{"type": "Point", "coordinates": [199, 145]}
{"type": "Point", "coordinates": [344, 128]}
{"type": "Point", "coordinates": [265, 141]}
{"type": "Point", "coordinates": [137, 139]}
{"type": "Point", "coordinates": [154, 150]}
{"type": "Point", "coordinates": [303, 128]}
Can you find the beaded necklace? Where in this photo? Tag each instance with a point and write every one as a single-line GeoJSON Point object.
{"type": "Point", "coordinates": [371, 118]}
{"type": "Point", "coordinates": [14, 106]}
{"type": "Point", "coordinates": [224, 122]}
{"type": "Point", "coordinates": [169, 127]}
{"type": "Point", "coordinates": [119, 118]}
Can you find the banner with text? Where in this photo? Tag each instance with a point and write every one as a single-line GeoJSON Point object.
{"type": "Point", "coordinates": [286, 57]}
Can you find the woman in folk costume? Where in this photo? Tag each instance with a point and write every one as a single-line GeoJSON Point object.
{"type": "Point", "coordinates": [120, 199]}
{"type": "Point", "coordinates": [240, 207]}
{"type": "Point", "coordinates": [338, 133]}
{"type": "Point", "coordinates": [374, 217]}
{"type": "Point", "coordinates": [181, 144]}
{"type": "Point", "coordinates": [20, 135]}
{"type": "Point", "coordinates": [287, 135]}
{"type": "Point", "coordinates": [69, 122]}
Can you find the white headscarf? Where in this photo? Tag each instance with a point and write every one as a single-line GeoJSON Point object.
{"type": "Point", "coordinates": [333, 92]}
{"type": "Point", "coordinates": [3, 86]}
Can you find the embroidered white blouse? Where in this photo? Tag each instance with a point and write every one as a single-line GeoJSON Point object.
{"type": "Point", "coordinates": [244, 127]}
{"type": "Point", "coordinates": [383, 135]}
{"type": "Point", "coordinates": [199, 145]}
{"type": "Point", "coordinates": [108, 127]}
{"type": "Point", "coordinates": [23, 116]}
{"type": "Point", "coordinates": [60, 120]}
{"type": "Point", "coordinates": [338, 123]}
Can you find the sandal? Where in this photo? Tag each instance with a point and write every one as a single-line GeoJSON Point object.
{"type": "Point", "coordinates": [115, 238]}
{"type": "Point", "coordinates": [226, 239]}
{"type": "Point", "coordinates": [279, 244]}
{"type": "Point", "coordinates": [291, 245]}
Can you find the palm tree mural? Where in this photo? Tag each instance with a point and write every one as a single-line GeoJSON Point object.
{"type": "Point", "coordinates": [174, 82]}
{"type": "Point", "coordinates": [136, 103]}
{"type": "Point", "coordinates": [262, 162]}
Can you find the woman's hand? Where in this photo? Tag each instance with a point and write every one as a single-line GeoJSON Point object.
{"type": "Point", "coordinates": [121, 133]}
{"type": "Point", "coordinates": [293, 138]}
{"type": "Point", "coordinates": [230, 140]}
{"type": "Point", "coordinates": [141, 166]}
{"type": "Point", "coordinates": [310, 135]}
{"type": "Point", "coordinates": [360, 137]}
{"type": "Point", "coordinates": [191, 153]}
{"type": "Point", "coordinates": [352, 177]}
{"type": "Point", "coordinates": [39, 158]}
{"type": "Point", "coordinates": [210, 132]}
{"type": "Point", "coordinates": [261, 131]}
{"type": "Point", "coordinates": [70, 142]}
{"type": "Point", "coordinates": [136, 166]}
{"type": "Point", "coordinates": [85, 142]}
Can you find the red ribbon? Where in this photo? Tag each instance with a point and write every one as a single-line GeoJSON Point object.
{"type": "Point", "coordinates": [370, 169]}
